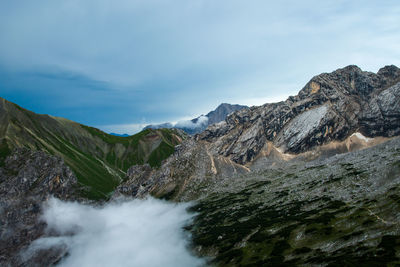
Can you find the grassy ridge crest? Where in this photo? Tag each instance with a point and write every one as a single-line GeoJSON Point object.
{"type": "Point", "coordinates": [98, 159]}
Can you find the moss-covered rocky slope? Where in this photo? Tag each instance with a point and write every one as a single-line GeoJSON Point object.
{"type": "Point", "coordinates": [99, 160]}
{"type": "Point", "coordinates": [341, 211]}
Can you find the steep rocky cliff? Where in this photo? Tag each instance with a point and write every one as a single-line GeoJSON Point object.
{"type": "Point", "coordinates": [336, 112]}
{"type": "Point", "coordinates": [331, 107]}
{"type": "Point", "coordinates": [27, 179]}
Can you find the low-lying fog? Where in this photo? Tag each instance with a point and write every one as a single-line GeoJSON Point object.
{"type": "Point", "coordinates": [124, 233]}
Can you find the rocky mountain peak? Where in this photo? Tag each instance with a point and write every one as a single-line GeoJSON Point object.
{"type": "Point", "coordinates": [350, 80]}
{"type": "Point", "coordinates": [390, 74]}
{"type": "Point", "coordinates": [335, 112]}
{"type": "Point", "coordinates": [331, 106]}
{"type": "Point", "coordinates": [222, 111]}
{"type": "Point", "coordinates": [349, 69]}
{"type": "Point", "coordinates": [389, 71]}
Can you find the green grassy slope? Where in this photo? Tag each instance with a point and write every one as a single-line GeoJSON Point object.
{"type": "Point", "coordinates": [98, 159]}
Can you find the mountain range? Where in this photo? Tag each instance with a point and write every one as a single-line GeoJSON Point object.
{"type": "Point", "coordinates": [334, 113]}
{"type": "Point", "coordinates": [99, 160]}
{"type": "Point", "coordinates": [312, 181]}
{"type": "Point", "coordinates": [200, 123]}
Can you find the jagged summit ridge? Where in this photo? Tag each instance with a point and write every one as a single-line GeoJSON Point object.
{"type": "Point", "coordinates": [333, 113]}
{"type": "Point", "coordinates": [346, 100]}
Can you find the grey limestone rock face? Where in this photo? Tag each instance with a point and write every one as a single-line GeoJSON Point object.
{"type": "Point", "coordinates": [27, 180]}
{"type": "Point", "coordinates": [382, 117]}
{"type": "Point", "coordinates": [137, 176]}
{"type": "Point", "coordinates": [330, 107]}
{"type": "Point", "coordinates": [301, 126]}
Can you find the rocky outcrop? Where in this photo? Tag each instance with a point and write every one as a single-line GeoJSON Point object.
{"type": "Point", "coordinates": [334, 113]}
{"type": "Point", "coordinates": [185, 175]}
{"type": "Point", "coordinates": [382, 115]}
{"type": "Point", "coordinates": [27, 180]}
{"type": "Point", "coordinates": [221, 112]}
{"type": "Point", "coordinates": [137, 176]}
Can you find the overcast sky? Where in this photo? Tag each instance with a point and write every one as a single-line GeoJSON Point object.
{"type": "Point", "coordinates": [118, 65]}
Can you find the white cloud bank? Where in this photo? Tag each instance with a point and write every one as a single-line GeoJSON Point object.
{"type": "Point", "coordinates": [134, 128]}
{"type": "Point", "coordinates": [125, 233]}
{"type": "Point", "coordinates": [201, 121]}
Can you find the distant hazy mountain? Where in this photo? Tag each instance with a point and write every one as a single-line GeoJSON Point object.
{"type": "Point", "coordinates": [200, 123]}
{"type": "Point", "coordinates": [221, 112]}
{"type": "Point", "coordinates": [166, 125]}
{"type": "Point", "coordinates": [120, 135]}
